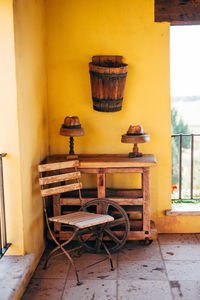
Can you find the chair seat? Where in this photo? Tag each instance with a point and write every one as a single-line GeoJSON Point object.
{"type": "Point", "coordinates": [82, 219]}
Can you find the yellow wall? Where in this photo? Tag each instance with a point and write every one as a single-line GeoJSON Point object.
{"type": "Point", "coordinates": [32, 112]}
{"type": "Point", "coordinates": [77, 30]}
{"type": "Point", "coordinates": [9, 129]}
{"type": "Point", "coordinates": [74, 32]}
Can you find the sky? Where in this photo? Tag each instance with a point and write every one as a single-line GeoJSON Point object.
{"type": "Point", "coordinates": [185, 60]}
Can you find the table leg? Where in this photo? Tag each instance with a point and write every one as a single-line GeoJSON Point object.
{"type": "Point", "coordinates": [146, 200]}
{"type": "Point", "coordinates": [101, 188]}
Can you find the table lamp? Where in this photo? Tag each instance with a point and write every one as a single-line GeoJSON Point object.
{"type": "Point", "coordinates": [135, 135]}
{"type": "Point", "coordinates": [71, 128]}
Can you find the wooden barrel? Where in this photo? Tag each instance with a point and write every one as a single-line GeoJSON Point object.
{"type": "Point", "coordinates": [108, 77]}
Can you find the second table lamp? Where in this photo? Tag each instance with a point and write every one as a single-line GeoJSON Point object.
{"type": "Point", "coordinates": [71, 128]}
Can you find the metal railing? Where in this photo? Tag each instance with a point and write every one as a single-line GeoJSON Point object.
{"type": "Point", "coordinates": [190, 146]}
{"type": "Point", "coordinates": [3, 237]}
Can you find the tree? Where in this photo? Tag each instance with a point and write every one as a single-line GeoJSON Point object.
{"type": "Point", "coordinates": [178, 126]}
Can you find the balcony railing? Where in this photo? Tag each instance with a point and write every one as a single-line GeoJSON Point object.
{"type": "Point", "coordinates": [186, 166]}
{"type": "Point", "coordinates": [3, 238]}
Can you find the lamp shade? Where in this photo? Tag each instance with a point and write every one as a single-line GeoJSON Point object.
{"type": "Point", "coordinates": [71, 127]}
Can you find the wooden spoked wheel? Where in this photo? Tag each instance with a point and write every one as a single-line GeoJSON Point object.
{"type": "Point", "coordinates": [112, 235]}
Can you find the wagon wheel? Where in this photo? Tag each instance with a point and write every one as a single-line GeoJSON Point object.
{"type": "Point", "coordinates": [113, 234]}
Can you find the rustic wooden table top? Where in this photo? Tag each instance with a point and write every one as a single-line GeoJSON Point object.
{"type": "Point", "coordinates": [109, 160]}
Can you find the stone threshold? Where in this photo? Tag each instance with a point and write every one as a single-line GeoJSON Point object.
{"type": "Point", "coordinates": [15, 273]}
{"type": "Point", "coordinates": [184, 209]}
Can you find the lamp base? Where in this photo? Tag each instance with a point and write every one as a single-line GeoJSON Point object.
{"type": "Point", "coordinates": [72, 156]}
{"type": "Point", "coordinates": [135, 154]}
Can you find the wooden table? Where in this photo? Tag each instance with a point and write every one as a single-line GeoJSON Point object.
{"type": "Point", "coordinates": [134, 201]}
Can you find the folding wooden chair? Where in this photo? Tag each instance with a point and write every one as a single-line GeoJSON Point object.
{"type": "Point", "coordinates": [80, 220]}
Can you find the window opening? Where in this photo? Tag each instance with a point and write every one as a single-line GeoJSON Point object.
{"type": "Point", "coordinates": [185, 112]}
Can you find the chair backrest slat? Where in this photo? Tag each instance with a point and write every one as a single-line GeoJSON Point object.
{"type": "Point", "coordinates": [58, 165]}
{"type": "Point", "coordinates": [55, 177]}
{"type": "Point", "coordinates": [60, 177]}
{"type": "Point", "coordinates": [61, 189]}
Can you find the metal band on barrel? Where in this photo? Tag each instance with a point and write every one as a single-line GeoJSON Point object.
{"type": "Point", "coordinates": [109, 75]}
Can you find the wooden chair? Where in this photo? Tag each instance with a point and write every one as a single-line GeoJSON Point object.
{"type": "Point", "coordinates": [68, 180]}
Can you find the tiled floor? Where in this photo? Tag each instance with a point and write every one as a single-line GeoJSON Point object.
{"type": "Point", "coordinates": [167, 269]}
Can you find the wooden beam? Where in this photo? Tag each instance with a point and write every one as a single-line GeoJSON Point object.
{"type": "Point", "coordinates": [120, 201]}
{"type": "Point", "coordinates": [126, 193]}
{"type": "Point", "coordinates": [178, 12]}
{"type": "Point", "coordinates": [133, 235]}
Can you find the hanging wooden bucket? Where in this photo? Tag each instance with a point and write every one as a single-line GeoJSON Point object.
{"type": "Point", "coordinates": [108, 77]}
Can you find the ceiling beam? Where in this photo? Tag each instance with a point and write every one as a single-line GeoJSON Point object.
{"type": "Point", "coordinates": [178, 12]}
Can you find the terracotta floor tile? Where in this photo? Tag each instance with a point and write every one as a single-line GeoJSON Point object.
{"type": "Point", "coordinates": [143, 290]}
{"type": "Point", "coordinates": [181, 252]}
{"type": "Point", "coordinates": [90, 290]}
{"type": "Point", "coordinates": [43, 289]}
{"type": "Point", "coordinates": [186, 290]}
{"type": "Point", "coordinates": [177, 239]}
{"type": "Point", "coordinates": [98, 267]}
{"type": "Point", "coordinates": [94, 257]}
{"type": "Point", "coordinates": [58, 267]}
{"type": "Point", "coordinates": [183, 270]}
{"type": "Point", "coordinates": [141, 270]}
{"type": "Point", "coordinates": [134, 251]}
